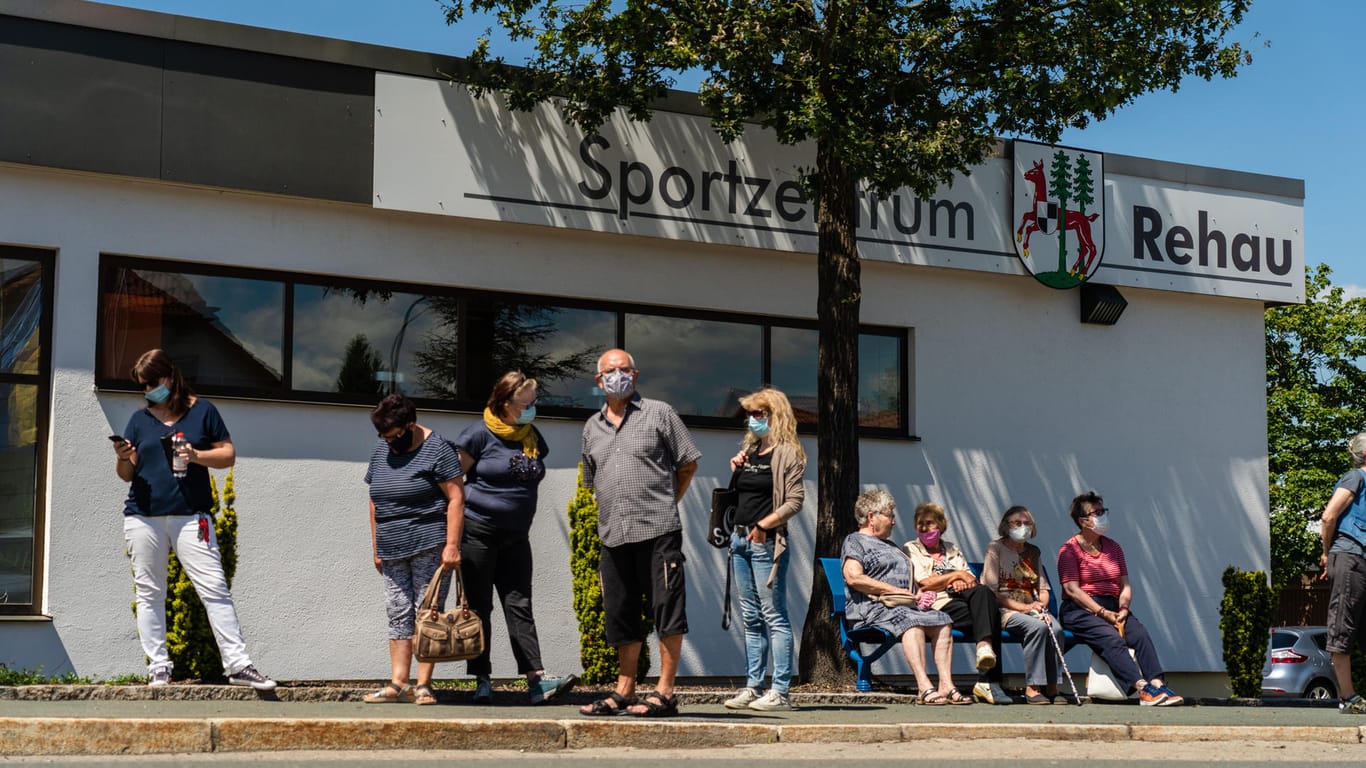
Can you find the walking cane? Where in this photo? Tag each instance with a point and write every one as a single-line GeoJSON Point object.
{"type": "Point", "coordinates": [1061, 660]}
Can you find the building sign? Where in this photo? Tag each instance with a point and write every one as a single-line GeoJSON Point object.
{"type": "Point", "coordinates": [439, 150]}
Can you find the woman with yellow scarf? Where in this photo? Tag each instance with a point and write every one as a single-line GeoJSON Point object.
{"type": "Point", "coordinates": [504, 463]}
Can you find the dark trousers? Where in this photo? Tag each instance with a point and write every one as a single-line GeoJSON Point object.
{"type": "Point", "coordinates": [490, 558]}
{"type": "Point", "coordinates": [975, 613]}
{"type": "Point", "coordinates": [1104, 640]}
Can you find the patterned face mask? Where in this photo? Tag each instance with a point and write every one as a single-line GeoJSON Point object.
{"type": "Point", "coordinates": [618, 384]}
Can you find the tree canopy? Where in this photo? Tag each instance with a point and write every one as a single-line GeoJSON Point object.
{"type": "Point", "coordinates": [893, 93]}
{"type": "Point", "coordinates": [1315, 401]}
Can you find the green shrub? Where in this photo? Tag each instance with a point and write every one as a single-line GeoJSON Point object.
{"type": "Point", "coordinates": [1245, 616]}
{"type": "Point", "coordinates": [189, 638]}
{"type": "Point", "coordinates": [599, 660]}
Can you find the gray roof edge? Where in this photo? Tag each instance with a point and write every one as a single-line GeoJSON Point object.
{"type": "Point", "coordinates": [85, 13]}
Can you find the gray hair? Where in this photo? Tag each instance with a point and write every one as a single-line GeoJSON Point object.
{"type": "Point", "coordinates": [1357, 448]}
{"type": "Point", "coordinates": [869, 503]}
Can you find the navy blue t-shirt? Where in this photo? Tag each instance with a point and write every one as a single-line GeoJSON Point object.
{"type": "Point", "coordinates": [500, 488]}
{"type": "Point", "coordinates": [154, 491]}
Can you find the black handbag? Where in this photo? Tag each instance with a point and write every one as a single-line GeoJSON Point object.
{"type": "Point", "coordinates": [724, 502]}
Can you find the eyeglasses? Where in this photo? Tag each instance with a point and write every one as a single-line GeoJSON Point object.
{"type": "Point", "coordinates": [1096, 512]}
{"type": "Point", "coordinates": [889, 514]}
{"type": "Point", "coordinates": [759, 414]}
{"type": "Point", "coordinates": [393, 437]}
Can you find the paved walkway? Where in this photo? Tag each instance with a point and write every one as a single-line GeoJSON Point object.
{"type": "Point", "coordinates": [94, 720]}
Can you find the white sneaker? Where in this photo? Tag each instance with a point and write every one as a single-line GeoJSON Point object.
{"type": "Point", "coordinates": [991, 693]}
{"type": "Point", "coordinates": [743, 699]}
{"type": "Point", "coordinates": [986, 658]}
{"type": "Point", "coordinates": [250, 677]}
{"type": "Point", "coordinates": [159, 677]}
{"type": "Point", "coordinates": [771, 702]}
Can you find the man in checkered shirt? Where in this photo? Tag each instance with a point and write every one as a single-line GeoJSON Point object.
{"type": "Point", "coordinates": [639, 459]}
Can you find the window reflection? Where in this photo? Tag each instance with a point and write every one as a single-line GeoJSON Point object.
{"type": "Point", "coordinates": [221, 331]}
{"type": "Point", "coordinates": [18, 482]}
{"type": "Point", "coordinates": [700, 367]}
{"type": "Point", "coordinates": [557, 346]}
{"type": "Point", "coordinates": [21, 314]}
{"type": "Point", "coordinates": [355, 342]}
{"type": "Point", "coordinates": [879, 381]}
{"type": "Point", "coordinates": [366, 342]}
{"type": "Point", "coordinates": [793, 352]}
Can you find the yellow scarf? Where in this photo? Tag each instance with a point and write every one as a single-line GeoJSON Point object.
{"type": "Point", "coordinates": [523, 434]}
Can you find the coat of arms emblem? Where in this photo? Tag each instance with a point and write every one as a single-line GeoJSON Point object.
{"type": "Point", "coordinates": [1059, 196]}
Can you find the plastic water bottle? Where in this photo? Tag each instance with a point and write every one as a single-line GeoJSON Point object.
{"type": "Point", "coordinates": [179, 464]}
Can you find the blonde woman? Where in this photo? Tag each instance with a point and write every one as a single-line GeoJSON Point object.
{"type": "Point", "coordinates": [768, 474]}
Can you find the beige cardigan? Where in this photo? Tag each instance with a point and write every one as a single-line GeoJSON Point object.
{"type": "Point", "coordinates": [788, 495]}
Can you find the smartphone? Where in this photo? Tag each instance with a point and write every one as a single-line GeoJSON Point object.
{"type": "Point", "coordinates": [117, 439]}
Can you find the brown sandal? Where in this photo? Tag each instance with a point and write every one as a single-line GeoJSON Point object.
{"type": "Point", "coordinates": [391, 693]}
{"type": "Point", "coordinates": [423, 696]}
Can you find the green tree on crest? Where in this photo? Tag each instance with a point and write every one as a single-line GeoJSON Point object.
{"type": "Point", "coordinates": [1061, 182]}
{"type": "Point", "coordinates": [896, 93]}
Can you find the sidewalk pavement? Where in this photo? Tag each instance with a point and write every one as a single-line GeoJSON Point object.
{"type": "Point", "coordinates": [107, 720]}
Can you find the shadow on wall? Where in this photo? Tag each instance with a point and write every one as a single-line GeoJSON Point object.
{"type": "Point", "coordinates": [1180, 522]}
{"type": "Point", "coordinates": [35, 646]}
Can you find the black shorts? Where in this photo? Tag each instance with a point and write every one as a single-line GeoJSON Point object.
{"type": "Point", "coordinates": [644, 575]}
{"type": "Point", "coordinates": [1346, 600]}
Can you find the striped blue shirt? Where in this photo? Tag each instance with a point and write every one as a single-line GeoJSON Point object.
{"type": "Point", "coordinates": [410, 507]}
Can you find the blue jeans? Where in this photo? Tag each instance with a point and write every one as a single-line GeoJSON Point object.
{"type": "Point", "coordinates": [764, 611]}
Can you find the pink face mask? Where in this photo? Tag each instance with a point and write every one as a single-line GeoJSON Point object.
{"type": "Point", "coordinates": [929, 538]}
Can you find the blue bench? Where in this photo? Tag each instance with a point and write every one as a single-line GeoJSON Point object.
{"type": "Point", "coordinates": [882, 641]}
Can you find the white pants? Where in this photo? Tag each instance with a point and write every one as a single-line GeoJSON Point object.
{"type": "Point", "coordinates": [150, 541]}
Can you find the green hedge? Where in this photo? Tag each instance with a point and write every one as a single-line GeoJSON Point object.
{"type": "Point", "coordinates": [189, 639]}
{"type": "Point", "coordinates": [599, 660]}
{"type": "Point", "coordinates": [1245, 616]}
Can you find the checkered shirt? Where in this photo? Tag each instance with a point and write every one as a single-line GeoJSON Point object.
{"type": "Point", "coordinates": [631, 470]}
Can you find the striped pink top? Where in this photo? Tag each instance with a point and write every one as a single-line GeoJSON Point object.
{"type": "Point", "coordinates": [1097, 574]}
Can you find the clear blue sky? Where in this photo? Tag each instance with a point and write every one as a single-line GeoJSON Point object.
{"type": "Point", "coordinates": [1297, 111]}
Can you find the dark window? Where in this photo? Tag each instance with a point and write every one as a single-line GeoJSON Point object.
{"type": "Point", "coordinates": [285, 336]}
{"type": "Point", "coordinates": [224, 333]}
{"type": "Point", "coordinates": [25, 362]}
{"type": "Point", "coordinates": [700, 367]}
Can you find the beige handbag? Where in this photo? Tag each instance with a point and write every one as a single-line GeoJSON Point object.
{"type": "Point", "coordinates": [456, 635]}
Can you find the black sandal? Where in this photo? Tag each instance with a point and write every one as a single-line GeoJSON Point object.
{"type": "Point", "coordinates": [657, 705]}
{"type": "Point", "coordinates": [601, 707]}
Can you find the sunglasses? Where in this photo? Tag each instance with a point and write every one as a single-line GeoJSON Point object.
{"type": "Point", "coordinates": [758, 414]}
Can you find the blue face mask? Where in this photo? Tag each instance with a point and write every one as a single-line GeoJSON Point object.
{"type": "Point", "coordinates": [528, 415]}
{"type": "Point", "coordinates": [158, 396]}
{"type": "Point", "coordinates": [758, 426]}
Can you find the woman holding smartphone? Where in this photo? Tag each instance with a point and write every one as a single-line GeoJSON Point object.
{"type": "Point", "coordinates": [165, 512]}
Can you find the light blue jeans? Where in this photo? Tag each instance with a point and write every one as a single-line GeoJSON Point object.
{"type": "Point", "coordinates": [764, 612]}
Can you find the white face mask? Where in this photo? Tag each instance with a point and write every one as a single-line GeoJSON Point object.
{"type": "Point", "coordinates": [1100, 524]}
{"type": "Point", "coordinates": [1019, 533]}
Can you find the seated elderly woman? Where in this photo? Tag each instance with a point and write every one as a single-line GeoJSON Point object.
{"type": "Point", "coordinates": [938, 565]}
{"type": "Point", "coordinates": [1013, 569]}
{"type": "Point", "coordinates": [879, 592]}
{"type": "Point", "coordinates": [1097, 595]}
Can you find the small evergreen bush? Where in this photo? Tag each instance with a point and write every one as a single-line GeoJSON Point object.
{"type": "Point", "coordinates": [1245, 616]}
{"type": "Point", "coordinates": [599, 660]}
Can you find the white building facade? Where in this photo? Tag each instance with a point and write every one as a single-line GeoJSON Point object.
{"type": "Point", "coordinates": [253, 201]}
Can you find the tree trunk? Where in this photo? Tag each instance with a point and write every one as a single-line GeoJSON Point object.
{"type": "Point", "coordinates": [822, 660]}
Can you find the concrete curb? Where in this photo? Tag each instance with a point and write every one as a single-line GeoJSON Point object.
{"type": "Point", "coordinates": [97, 736]}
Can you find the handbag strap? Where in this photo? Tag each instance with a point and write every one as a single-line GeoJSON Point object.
{"type": "Point", "coordinates": [434, 588]}
{"type": "Point", "coordinates": [725, 613]}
